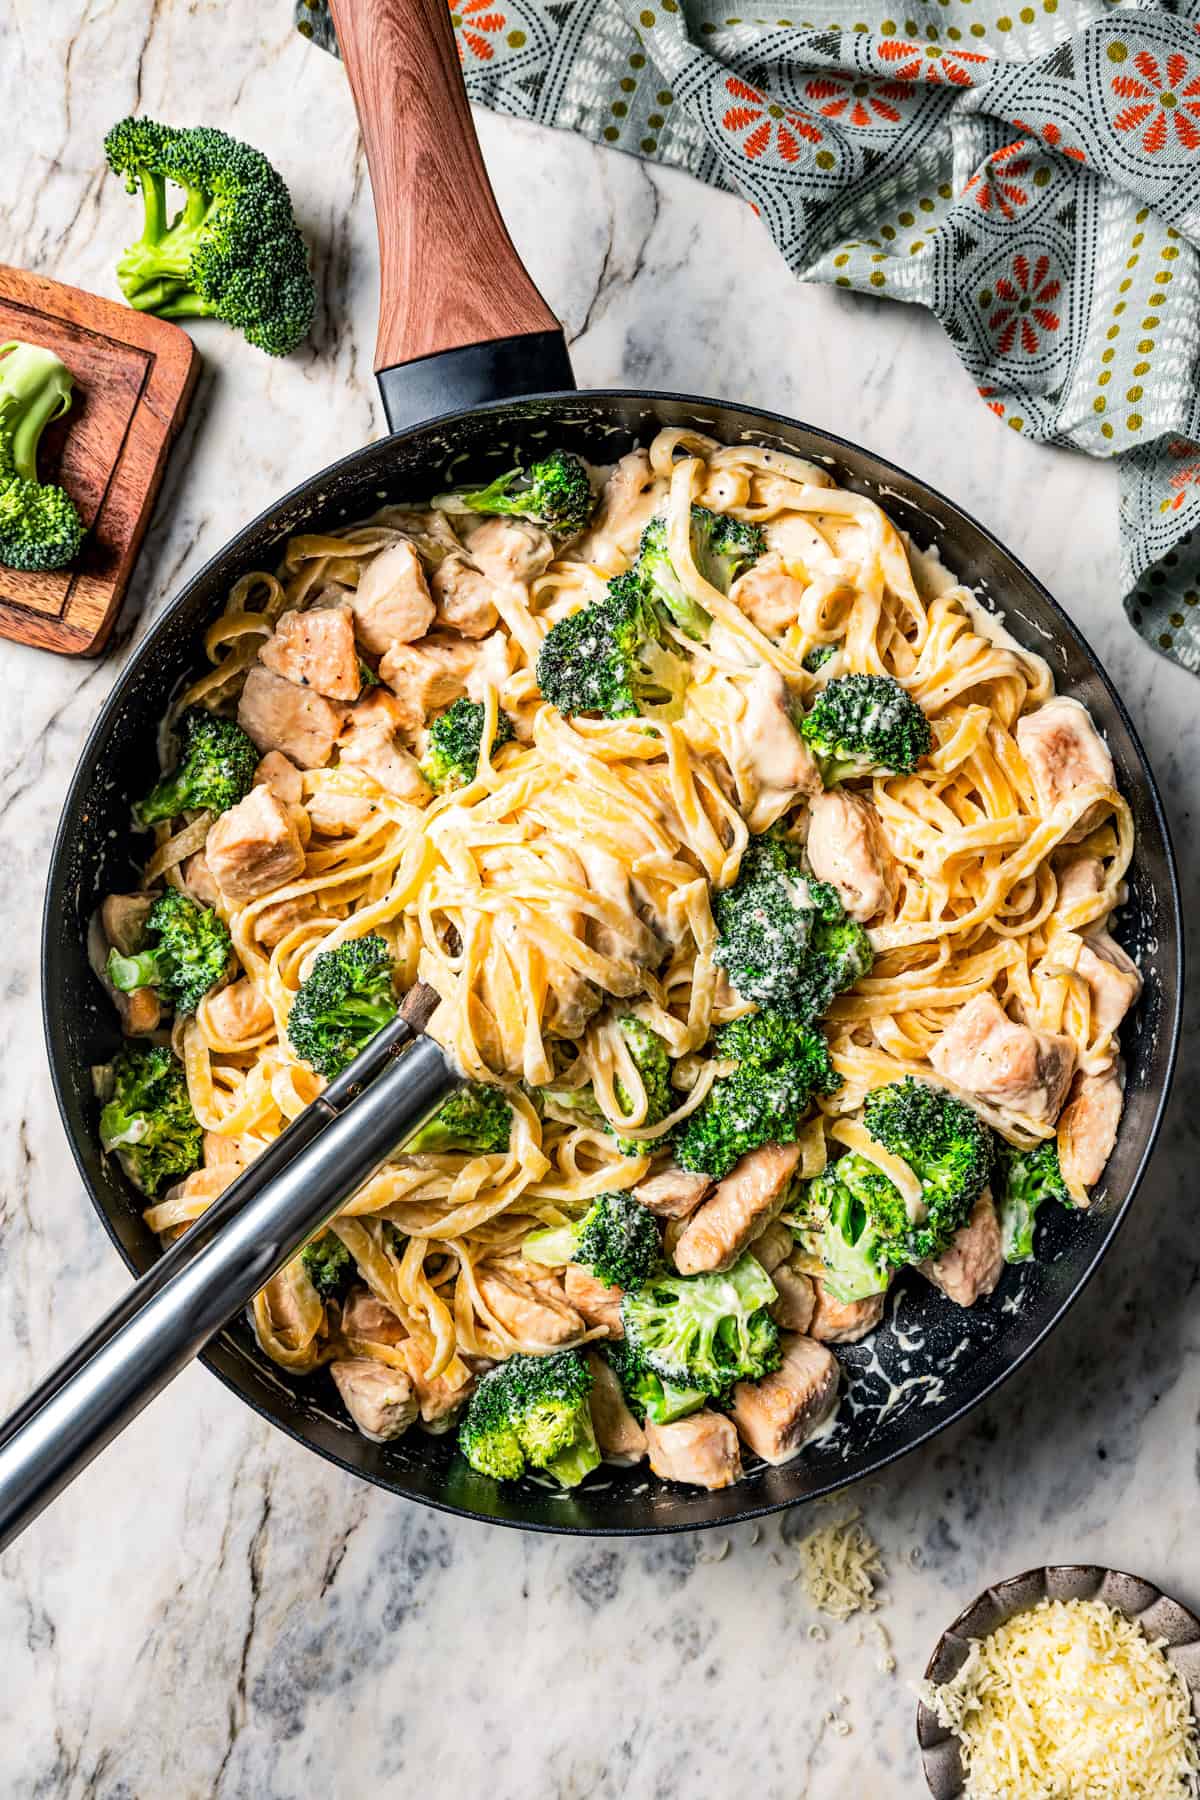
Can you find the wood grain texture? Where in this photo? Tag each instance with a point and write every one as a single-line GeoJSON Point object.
{"type": "Point", "coordinates": [134, 377]}
{"type": "Point", "coordinates": [449, 275]}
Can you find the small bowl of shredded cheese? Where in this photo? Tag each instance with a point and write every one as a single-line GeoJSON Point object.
{"type": "Point", "coordinates": [1065, 1683]}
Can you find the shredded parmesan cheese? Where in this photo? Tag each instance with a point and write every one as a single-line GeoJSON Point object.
{"type": "Point", "coordinates": [1070, 1699]}
{"type": "Point", "coordinates": [839, 1565]}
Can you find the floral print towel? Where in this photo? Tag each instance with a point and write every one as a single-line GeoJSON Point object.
{"type": "Point", "coordinates": [1031, 173]}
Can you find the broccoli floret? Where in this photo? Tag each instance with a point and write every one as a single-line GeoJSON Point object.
{"type": "Point", "coordinates": [532, 1412]}
{"type": "Point", "coordinates": [819, 655]}
{"type": "Point", "coordinates": [215, 770]}
{"type": "Point", "coordinates": [648, 1396]}
{"type": "Point", "coordinates": [452, 757]}
{"type": "Point", "coordinates": [610, 658]}
{"type": "Point", "coordinates": [349, 996]}
{"type": "Point", "coordinates": [617, 1239]}
{"type": "Point", "coordinates": [862, 724]}
{"type": "Point", "coordinates": [858, 1213]}
{"type": "Point", "coordinates": [190, 955]}
{"type": "Point", "coordinates": [40, 527]}
{"type": "Point", "coordinates": [653, 1064]}
{"type": "Point", "coordinates": [781, 1065]}
{"type": "Point", "coordinates": [233, 251]}
{"type": "Point", "coordinates": [328, 1265]}
{"type": "Point", "coordinates": [722, 548]}
{"type": "Point", "coordinates": [1025, 1178]}
{"type": "Point", "coordinates": [705, 1331]}
{"type": "Point", "coordinates": [148, 1119]}
{"type": "Point", "coordinates": [555, 493]}
{"type": "Point", "coordinates": [783, 939]}
{"type": "Point", "coordinates": [475, 1118]}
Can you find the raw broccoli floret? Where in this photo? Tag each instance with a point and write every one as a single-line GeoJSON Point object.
{"type": "Point", "coordinates": [617, 1239]}
{"type": "Point", "coordinates": [188, 953]}
{"type": "Point", "coordinates": [647, 1395]}
{"type": "Point", "coordinates": [864, 724]}
{"type": "Point", "coordinates": [349, 996]}
{"type": "Point", "coordinates": [215, 770]}
{"type": "Point", "coordinates": [858, 1215]}
{"type": "Point", "coordinates": [148, 1119]}
{"type": "Point", "coordinates": [452, 756]}
{"type": "Point", "coordinates": [1024, 1179]}
{"type": "Point", "coordinates": [476, 1118]}
{"type": "Point", "coordinates": [722, 549]}
{"type": "Point", "coordinates": [328, 1265]}
{"type": "Point", "coordinates": [40, 527]}
{"type": "Point", "coordinates": [783, 939]}
{"type": "Point", "coordinates": [554, 493]}
{"type": "Point", "coordinates": [781, 1065]}
{"type": "Point", "coordinates": [819, 655]}
{"type": "Point", "coordinates": [705, 1331]}
{"type": "Point", "coordinates": [610, 658]}
{"type": "Point", "coordinates": [233, 251]}
{"type": "Point", "coordinates": [532, 1412]}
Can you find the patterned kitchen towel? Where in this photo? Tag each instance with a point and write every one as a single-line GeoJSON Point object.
{"type": "Point", "coordinates": [1030, 173]}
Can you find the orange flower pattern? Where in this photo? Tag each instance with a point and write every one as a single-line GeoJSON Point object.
{"type": "Point", "coordinates": [765, 121]}
{"type": "Point", "coordinates": [1022, 306]}
{"type": "Point", "coordinates": [1164, 97]}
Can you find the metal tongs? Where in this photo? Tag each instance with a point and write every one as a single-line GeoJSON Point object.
{"type": "Point", "coordinates": [246, 1236]}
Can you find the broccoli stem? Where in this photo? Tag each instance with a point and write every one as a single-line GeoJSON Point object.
{"type": "Point", "coordinates": [579, 1459]}
{"type": "Point", "coordinates": [37, 388]}
{"type": "Point", "coordinates": [129, 972]}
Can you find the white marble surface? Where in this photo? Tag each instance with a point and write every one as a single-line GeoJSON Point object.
{"type": "Point", "coordinates": [213, 1612]}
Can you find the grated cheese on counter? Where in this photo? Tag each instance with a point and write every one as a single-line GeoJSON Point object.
{"type": "Point", "coordinates": [1070, 1699]}
{"type": "Point", "coordinates": [839, 1565]}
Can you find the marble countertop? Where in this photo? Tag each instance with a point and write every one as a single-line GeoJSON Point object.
{"type": "Point", "coordinates": [211, 1611]}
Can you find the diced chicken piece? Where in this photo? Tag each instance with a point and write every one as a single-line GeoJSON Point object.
{"type": "Point", "coordinates": [797, 1302]}
{"type": "Point", "coordinates": [198, 880]}
{"type": "Point", "coordinates": [463, 597]}
{"type": "Point", "coordinates": [278, 715]}
{"type": "Point", "coordinates": [316, 649]}
{"type": "Point", "coordinates": [768, 595]}
{"type": "Point", "coordinates": [140, 1011]}
{"type": "Point", "coordinates": [1081, 879]}
{"type": "Point", "coordinates": [223, 1152]}
{"type": "Point", "coordinates": [631, 941]}
{"type": "Point", "coordinates": [571, 1003]}
{"type": "Point", "coordinates": [673, 1193]}
{"type": "Point", "coordinates": [373, 748]}
{"type": "Point", "coordinates": [773, 1246]}
{"type": "Point", "coordinates": [534, 1318]}
{"type": "Point", "coordinates": [254, 847]}
{"type": "Point", "coordinates": [774, 760]}
{"type": "Point", "coordinates": [426, 677]}
{"type": "Point", "coordinates": [1113, 977]}
{"type": "Point", "coordinates": [510, 549]}
{"type": "Point", "coordinates": [837, 1321]}
{"type": "Point", "coordinates": [973, 1261]}
{"type": "Point", "coordinates": [274, 922]}
{"type": "Point", "coordinates": [1087, 1129]}
{"type": "Point", "coordinates": [618, 1434]}
{"type": "Point", "coordinates": [985, 1052]}
{"type": "Point", "coordinates": [239, 1012]}
{"type": "Point", "coordinates": [596, 1304]}
{"type": "Point", "coordinates": [123, 918]}
{"type": "Point", "coordinates": [441, 1398]}
{"type": "Point", "coordinates": [740, 1208]}
{"type": "Point", "coordinates": [847, 848]}
{"type": "Point", "coordinates": [379, 1399]}
{"type": "Point", "coordinates": [630, 498]}
{"type": "Point", "coordinates": [338, 815]}
{"type": "Point", "coordinates": [491, 666]}
{"type": "Point", "coordinates": [701, 1450]}
{"type": "Point", "coordinates": [367, 1320]}
{"type": "Point", "coordinates": [281, 775]}
{"type": "Point", "coordinates": [776, 1415]}
{"type": "Point", "coordinates": [391, 603]}
{"type": "Point", "coordinates": [1063, 751]}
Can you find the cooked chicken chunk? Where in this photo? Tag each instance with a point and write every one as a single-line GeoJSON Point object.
{"type": "Point", "coordinates": [1113, 977]}
{"type": "Point", "coordinates": [797, 1302]}
{"type": "Point", "coordinates": [490, 667]}
{"type": "Point", "coordinates": [441, 1398]}
{"type": "Point", "coordinates": [463, 597]}
{"type": "Point", "coordinates": [239, 1012]}
{"type": "Point", "coordinates": [428, 676]}
{"type": "Point", "coordinates": [532, 1316]}
{"type": "Point", "coordinates": [380, 1400]}
{"type": "Point", "coordinates": [673, 1193]}
{"type": "Point", "coordinates": [774, 764]}
{"type": "Point", "coordinates": [973, 1262]}
{"type": "Point", "coordinates": [776, 1415]}
{"type": "Point", "coordinates": [985, 1052]}
{"type": "Point", "coordinates": [366, 1320]}
{"type": "Point", "coordinates": [376, 752]}
{"type": "Point", "coordinates": [768, 595]}
{"type": "Point", "coordinates": [221, 1152]}
{"type": "Point", "coordinates": [1063, 751]}
{"type": "Point", "coordinates": [254, 847]}
{"type": "Point", "coordinates": [1081, 879]}
{"type": "Point", "coordinates": [773, 1246]}
{"type": "Point", "coordinates": [596, 1304]}
{"type": "Point", "coordinates": [630, 498]}
{"type": "Point", "coordinates": [618, 1434]}
{"type": "Point", "coordinates": [281, 775]}
{"type": "Point", "coordinates": [1087, 1129]}
{"type": "Point", "coordinates": [140, 1010]}
{"type": "Point", "coordinates": [847, 848]}
{"type": "Point", "coordinates": [123, 919]}
{"type": "Point", "coordinates": [701, 1450]}
{"type": "Point", "coordinates": [278, 715]}
{"type": "Point", "coordinates": [274, 922]}
{"type": "Point", "coordinates": [631, 941]}
{"type": "Point", "coordinates": [739, 1209]}
{"type": "Point", "coordinates": [391, 603]}
{"type": "Point", "coordinates": [316, 649]}
{"type": "Point", "coordinates": [198, 880]}
{"type": "Point", "coordinates": [837, 1321]}
{"type": "Point", "coordinates": [338, 815]}
{"type": "Point", "coordinates": [510, 549]}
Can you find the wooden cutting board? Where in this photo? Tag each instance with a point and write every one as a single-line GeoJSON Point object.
{"type": "Point", "coordinates": [134, 377]}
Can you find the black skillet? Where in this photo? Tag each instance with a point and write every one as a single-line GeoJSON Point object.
{"type": "Point", "coordinates": [473, 373]}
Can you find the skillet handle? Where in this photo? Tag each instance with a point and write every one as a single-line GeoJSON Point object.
{"type": "Point", "coordinates": [460, 321]}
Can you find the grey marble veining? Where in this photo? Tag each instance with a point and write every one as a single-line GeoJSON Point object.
{"type": "Point", "coordinates": [213, 1612]}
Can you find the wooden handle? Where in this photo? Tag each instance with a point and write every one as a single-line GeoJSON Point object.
{"type": "Point", "coordinates": [449, 275]}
